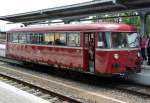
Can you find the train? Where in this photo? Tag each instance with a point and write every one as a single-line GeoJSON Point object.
{"type": "Point", "coordinates": [101, 48]}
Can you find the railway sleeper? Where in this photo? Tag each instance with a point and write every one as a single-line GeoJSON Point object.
{"type": "Point", "coordinates": [14, 83]}
{"type": "Point", "coordinates": [31, 90]}
{"type": "Point", "coordinates": [25, 88]}
{"type": "Point", "coordinates": [53, 99]}
{"type": "Point", "coordinates": [8, 81]}
{"type": "Point", "coordinates": [19, 86]}
{"type": "Point", "coordinates": [38, 93]}
{"type": "Point", "coordinates": [45, 96]}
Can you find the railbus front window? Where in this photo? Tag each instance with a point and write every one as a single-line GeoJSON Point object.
{"type": "Point", "coordinates": [133, 40]}
{"type": "Point", "coordinates": [124, 40]}
{"type": "Point", "coordinates": [103, 40]}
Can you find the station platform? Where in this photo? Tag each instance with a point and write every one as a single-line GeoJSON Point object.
{"type": "Point", "coordinates": [143, 77]}
{"type": "Point", "coordinates": [2, 50]}
{"type": "Point", "coordinates": [10, 94]}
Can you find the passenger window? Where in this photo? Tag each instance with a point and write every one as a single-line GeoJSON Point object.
{"type": "Point", "coordinates": [73, 39]}
{"type": "Point", "coordinates": [22, 38]}
{"type": "Point", "coordinates": [49, 38]}
{"type": "Point", "coordinates": [41, 38]}
{"type": "Point", "coordinates": [28, 38]}
{"type": "Point", "coordinates": [37, 39]}
{"type": "Point", "coordinates": [60, 38]}
{"type": "Point", "coordinates": [14, 38]}
{"type": "Point", "coordinates": [31, 38]}
{"type": "Point", "coordinates": [34, 38]}
{"type": "Point", "coordinates": [102, 40]}
{"type": "Point", "coordinates": [10, 37]}
{"type": "Point", "coordinates": [119, 40]}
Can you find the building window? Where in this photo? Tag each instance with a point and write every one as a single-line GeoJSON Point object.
{"type": "Point", "coordinates": [73, 39]}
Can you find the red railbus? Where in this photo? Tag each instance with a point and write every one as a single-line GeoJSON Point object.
{"type": "Point", "coordinates": [98, 48]}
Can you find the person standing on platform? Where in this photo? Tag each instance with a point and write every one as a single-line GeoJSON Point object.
{"type": "Point", "coordinates": [148, 50]}
{"type": "Point", "coordinates": [143, 45]}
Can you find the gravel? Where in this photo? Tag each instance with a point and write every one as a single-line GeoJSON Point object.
{"type": "Point", "coordinates": [110, 92]}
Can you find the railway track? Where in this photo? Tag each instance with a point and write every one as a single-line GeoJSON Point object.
{"type": "Point", "coordinates": [50, 96]}
{"type": "Point", "coordinates": [76, 94]}
{"type": "Point", "coordinates": [135, 89]}
{"type": "Point", "coordinates": [138, 90]}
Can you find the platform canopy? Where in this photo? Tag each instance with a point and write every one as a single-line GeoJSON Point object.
{"type": "Point", "coordinates": [80, 10]}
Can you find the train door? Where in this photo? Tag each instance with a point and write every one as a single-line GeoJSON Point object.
{"type": "Point", "coordinates": [90, 44]}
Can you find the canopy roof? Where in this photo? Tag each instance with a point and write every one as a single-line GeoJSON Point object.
{"type": "Point", "coordinates": [80, 10]}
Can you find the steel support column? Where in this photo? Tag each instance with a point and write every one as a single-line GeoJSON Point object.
{"type": "Point", "coordinates": [143, 16]}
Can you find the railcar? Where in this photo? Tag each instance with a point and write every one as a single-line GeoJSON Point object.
{"type": "Point", "coordinates": [97, 48]}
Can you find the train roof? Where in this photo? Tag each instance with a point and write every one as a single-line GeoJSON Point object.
{"type": "Point", "coordinates": [101, 26]}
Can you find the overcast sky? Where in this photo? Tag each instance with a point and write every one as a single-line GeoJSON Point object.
{"type": "Point", "coordinates": [9, 7]}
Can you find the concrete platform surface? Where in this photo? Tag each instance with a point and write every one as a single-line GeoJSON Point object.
{"type": "Point", "coordinates": [2, 50]}
{"type": "Point", "coordinates": [10, 94]}
{"type": "Point", "coordinates": [145, 66]}
{"type": "Point", "coordinates": [143, 77]}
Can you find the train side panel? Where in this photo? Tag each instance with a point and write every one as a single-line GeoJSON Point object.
{"type": "Point", "coordinates": [61, 56]}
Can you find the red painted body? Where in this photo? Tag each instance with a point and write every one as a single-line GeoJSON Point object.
{"type": "Point", "coordinates": [77, 57]}
{"type": "Point", "coordinates": [69, 57]}
{"type": "Point", "coordinates": [104, 59]}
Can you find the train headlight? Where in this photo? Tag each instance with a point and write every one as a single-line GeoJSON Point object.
{"type": "Point", "coordinates": [116, 56]}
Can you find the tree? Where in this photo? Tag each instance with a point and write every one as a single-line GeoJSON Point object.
{"type": "Point", "coordinates": [148, 25]}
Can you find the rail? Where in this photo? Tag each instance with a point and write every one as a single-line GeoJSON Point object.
{"type": "Point", "coordinates": [37, 90]}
